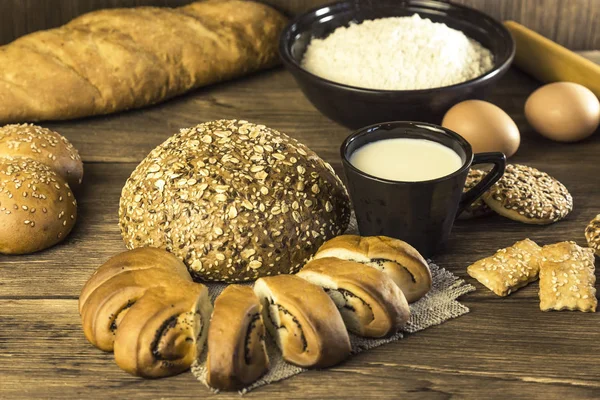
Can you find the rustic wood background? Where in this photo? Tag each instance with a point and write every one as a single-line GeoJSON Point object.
{"type": "Point", "coordinates": [572, 23]}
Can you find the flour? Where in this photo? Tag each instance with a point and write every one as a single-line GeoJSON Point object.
{"type": "Point", "coordinates": [400, 53]}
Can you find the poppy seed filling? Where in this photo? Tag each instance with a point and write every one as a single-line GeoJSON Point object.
{"type": "Point", "coordinates": [113, 324]}
{"type": "Point", "coordinates": [347, 295]}
{"type": "Point", "coordinates": [380, 262]}
{"type": "Point", "coordinates": [283, 310]}
{"type": "Point", "coordinates": [251, 327]}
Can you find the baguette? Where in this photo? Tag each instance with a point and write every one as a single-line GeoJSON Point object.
{"type": "Point", "coordinates": [113, 60]}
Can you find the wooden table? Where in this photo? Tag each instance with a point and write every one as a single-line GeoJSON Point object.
{"type": "Point", "coordinates": [504, 348]}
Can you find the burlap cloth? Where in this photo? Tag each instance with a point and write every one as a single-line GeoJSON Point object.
{"type": "Point", "coordinates": [437, 306]}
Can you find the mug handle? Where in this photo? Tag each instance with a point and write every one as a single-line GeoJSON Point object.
{"type": "Point", "coordinates": [499, 161]}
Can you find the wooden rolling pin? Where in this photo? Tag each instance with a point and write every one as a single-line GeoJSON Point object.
{"type": "Point", "coordinates": [550, 62]}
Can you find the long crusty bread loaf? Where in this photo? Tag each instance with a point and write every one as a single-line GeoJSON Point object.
{"type": "Point", "coordinates": [113, 60]}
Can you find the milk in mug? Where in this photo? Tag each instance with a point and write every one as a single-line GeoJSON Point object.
{"type": "Point", "coordinates": [406, 160]}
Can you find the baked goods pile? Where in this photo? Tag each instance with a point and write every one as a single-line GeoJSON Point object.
{"type": "Point", "coordinates": [524, 194]}
{"type": "Point", "coordinates": [565, 270]}
{"type": "Point", "coordinates": [234, 200]}
{"type": "Point", "coordinates": [118, 59]}
{"type": "Point", "coordinates": [230, 201]}
{"type": "Point", "coordinates": [38, 171]}
{"type": "Point", "coordinates": [143, 305]}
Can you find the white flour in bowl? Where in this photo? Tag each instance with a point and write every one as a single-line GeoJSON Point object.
{"type": "Point", "coordinates": [399, 53]}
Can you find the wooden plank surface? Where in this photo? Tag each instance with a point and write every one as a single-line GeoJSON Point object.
{"type": "Point", "coordinates": [48, 357]}
{"type": "Point", "coordinates": [504, 348]}
{"type": "Point", "coordinates": [572, 23]}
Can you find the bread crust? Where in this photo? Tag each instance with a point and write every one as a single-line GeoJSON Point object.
{"type": "Point", "coordinates": [592, 234]}
{"type": "Point", "coordinates": [374, 288]}
{"type": "Point", "coordinates": [236, 356]}
{"type": "Point", "coordinates": [478, 208]}
{"type": "Point", "coordinates": [317, 319]}
{"type": "Point", "coordinates": [144, 305]}
{"type": "Point", "coordinates": [37, 207]}
{"type": "Point", "coordinates": [118, 59]}
{"type": "Point", "coordinates": [43, 145]}
{"type": "Point", "coordinates": [234, 200]}
{"type": "Point", "coordinates": [164, 331]}
{"type": "Point", "coordinates": [139, 259]}
{"type": "Point", "coordinates": [108, 304]}
{"type": "Point", "coordinates": [508, 269]}
{"type": "Point", "coordinates": [407, 268]}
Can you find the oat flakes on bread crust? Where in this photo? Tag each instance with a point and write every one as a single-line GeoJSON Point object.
{"type": "Point", "coordinates": [528, 195]}
{"type": "Point", "coordinates": [592, 234]}
{"type": "Point", "coordinates": [567, 278]}
{"type": "Point", "coordinates": [234, 200]}
{"type": "Point", "coordinates": [478, 208]}
{"type": "Point", "coordinates": [402, 262]}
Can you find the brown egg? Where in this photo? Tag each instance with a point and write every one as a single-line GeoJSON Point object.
{"type": "Point", "coordinates": [485, 126]}
{"type": "Point", "coordinates": [563, 111]}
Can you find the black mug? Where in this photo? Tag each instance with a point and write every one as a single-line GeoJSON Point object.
{"type": "Point", "coordinates": [420, 213]}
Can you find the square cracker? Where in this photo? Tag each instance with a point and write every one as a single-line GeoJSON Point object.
{"type": "Point", "coordinates": [509, 269]}
{"type": "Point", "coordinates": [567, 278]}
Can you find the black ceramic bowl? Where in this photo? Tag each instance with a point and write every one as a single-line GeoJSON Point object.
{"type": "Point", "coordinates": [356, 107]}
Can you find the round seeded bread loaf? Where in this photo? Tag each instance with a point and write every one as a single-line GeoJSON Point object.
{"type": "Point", "coordinates": [235, 201]}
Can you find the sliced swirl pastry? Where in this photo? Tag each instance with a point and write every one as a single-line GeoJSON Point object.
{"type": "Point", "coordinates": [134, 260]}
{"type": "Point", "coordinates": [369, 301]}
{"type": "Point", "coordinates": [116, 285]}
{"type": "Point", "coordinates": [303, 320]}
{"type": "Point", "coordinates": [144, 305]}
{"type": "Point", "coordinates": [164, 331]}
{"type": "Point", "coordinates": [237, 355]}
{"type": "Point", "coordinates": [402, 262]}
